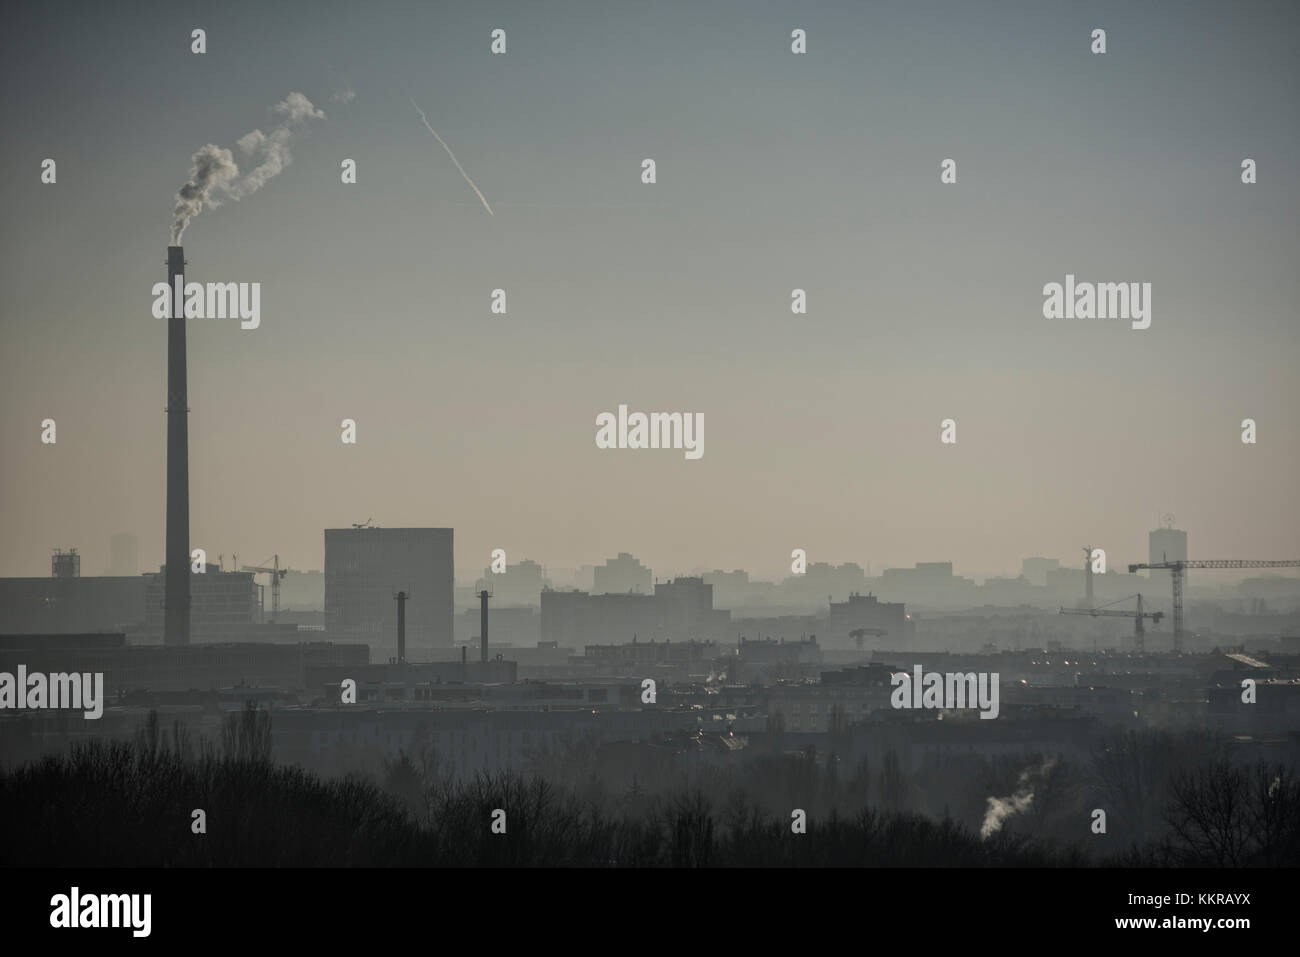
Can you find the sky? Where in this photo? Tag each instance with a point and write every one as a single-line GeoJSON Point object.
{"type": "Point", "coordinates": [775, 171]}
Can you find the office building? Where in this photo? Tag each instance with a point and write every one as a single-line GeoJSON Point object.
{"type": "Point", "coordinates": [366, 566]}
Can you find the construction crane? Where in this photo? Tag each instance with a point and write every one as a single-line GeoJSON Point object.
{"type": "Point", "coordinates": [276, 573]}
{"type": "Point", "coordinates": [1177, 569]}
{"type": "Point", "coordinates": [859, 634]}
{"type": "Point", "coordinates": [1139, 633]}
{"type": "Point", "coordinates": [365, 524]}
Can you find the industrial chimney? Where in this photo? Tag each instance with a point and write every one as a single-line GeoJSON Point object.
{"type": "Point", "coordinates": [401, 597]}
{"type": "Point", "coordinates": [176, 596]}
{"type": "Point", "coordinates": [482, 599]}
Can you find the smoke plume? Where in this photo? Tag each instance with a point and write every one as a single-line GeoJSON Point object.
{"type": "Point", "coordinates": [999, 809]}
{"type": "Point", "coordinates": [215, 176]}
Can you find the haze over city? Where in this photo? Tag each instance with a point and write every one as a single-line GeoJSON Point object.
{"type": "Point", "coordinates": [618, 434]}
{"type": "Point", "coordinates": [774, 172]}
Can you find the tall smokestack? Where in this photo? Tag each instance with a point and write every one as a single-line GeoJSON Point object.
{"type": "Point", "coordinates": [1087, 576]}
{"type": "Point", "coordinates": [482, 606]}
{"type": "Point", "coordinates": [176, 618]}
{"type": "Point", "coordinates": [401, 627]}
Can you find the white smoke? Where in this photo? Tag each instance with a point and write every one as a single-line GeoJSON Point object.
{"type": "Point", "coordinates": [215, 175]}
{"type": "Point", "coordinates": [999, 809]}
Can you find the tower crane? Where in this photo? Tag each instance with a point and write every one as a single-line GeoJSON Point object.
{"type": "Point", "coordinates": [1177, 569]}
{"type": "Point", "coordinates": [1139, 633]}
{"type": "Point", "coordinates": [859, 634]}
{"type": "Point", "coordinates": [276, 573]}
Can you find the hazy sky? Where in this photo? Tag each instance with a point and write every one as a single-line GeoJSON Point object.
{"type": "Point", "coordinates": [775, 171]}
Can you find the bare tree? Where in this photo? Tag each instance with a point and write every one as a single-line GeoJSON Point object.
{"type": "Point", "coordinates": [1210, 816]}
{"type": "Point", "coordinates": [246, 736]}
{"type": "Point", "coordinates": [1130, 774]}
{"type": "Point", "coordinates": [1275, 815]}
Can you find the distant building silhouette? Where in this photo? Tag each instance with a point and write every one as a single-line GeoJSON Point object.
{"type": "Point", "coordinates": [1166, 545]}
{"type": "Point", "coordinates": [302, 591]}
{"type": "Point", "coordinates": [929, 583]}
{"type": "Point", "coordinates": [365, 566]}
{"type": "Point", "coordinates": [1037, 569]}
{"type": "Point", "coordinates": [65, 564]}
{"type": "Point", "coordinates": [867, 612]}
{"type": "Point", "coordinates": [520, 584]}
{"type": "Point", "coordinates": [223, 606]}
{"type": "Point", "coordinates": [622, 575]}
{"type": "Point", "coordinates": [679, 610]}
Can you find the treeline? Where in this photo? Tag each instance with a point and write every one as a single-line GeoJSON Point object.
{"type": "Point", "coordinates": [133, 804]}
{"type": "Point", "coordinates": [1139, 797]}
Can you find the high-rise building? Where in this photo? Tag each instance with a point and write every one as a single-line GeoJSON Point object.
{"type": "Point", "coordinates": [686, 610]}
{"type": "Point", "coordinates": [621, 575]}
{"type": "Point", "coordinates": [365, 567]}
{"type": "Point", "coordinates": [867, 612]}
{"type": "Point", "coordinates": [1167, 544]}
{"type": "Point", "coordinates": [520, 584]}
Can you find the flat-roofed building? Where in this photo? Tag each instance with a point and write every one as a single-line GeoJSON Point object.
{"type": "Point", "coordinates": [365, 567]}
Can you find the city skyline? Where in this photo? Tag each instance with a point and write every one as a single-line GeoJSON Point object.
{"type": "Point", "coordinates": [703, 434]}
{"type": "Point", "coordinates": [924, 300]}
{"type": "Point", "coordinates": [562, 576]}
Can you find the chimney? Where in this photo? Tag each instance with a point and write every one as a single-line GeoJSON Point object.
{"type": "Point", "coordinates": [482, 598]}
{"type": "Point", "coordinates": [464, 663]}
{"type": "Point", "coordinates": [176, 600]}
{"type": "Point", "coordinates": [401, 627]}
{"type": "Point", "coordinates": [1087, 575]}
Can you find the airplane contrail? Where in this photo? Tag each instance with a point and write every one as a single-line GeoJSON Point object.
{"type": "Point", "coordinates": [453, 157]}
